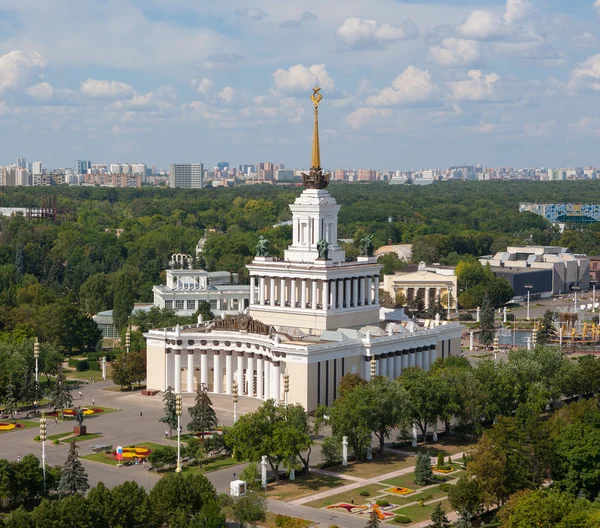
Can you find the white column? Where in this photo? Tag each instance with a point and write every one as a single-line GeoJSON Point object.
{"type": "Point", "coordinates": [425, 359]}
{"type": "Point", "coordinates": [293, 293]}
{"type": "Point", "coordinates": [313, 297]}
{"type": "Point", "coordinates": [390, 367]}
{"type": "Point", "coordinates": [432, 356]}
{"type": "Point", "coordinates": [169, 370]}
{"type": "Point", "coordinates": [303, 294]}
{"type": "Point", "coordinates": [361, 287]}
{"type": "Point", "coordinates": [348, 295]}
{"type": "Point", "coordinates": [267, 367]}
{"type": "Point", "coordinates": [250, 375]}
{"type": "Point", "coordinates": [369, 299]}
{"type": "Point", "coordinates": [341, 294]}
{"type": "Point", "coordinates": [190, 370]}
{"type": "Point", "coordinates": [376, 292]}
{"type": "Point", "coordinates": [240, 373]}
{"type": "Point", "coordinates": [405, 361]}
{"type": "Point", "coordinates": [412, 358]}
{"type": "Point", "coordinates": [367, 368]}
{"type": "Point", "coordinates": [426, 298]}
{"type": "Point", "coordinates": [218, 372]}
{"type": "Point", "coordinates": [276, 381]}
{"type": "Point", "coordinates": [272, 295]}
{"type": "Point", "coordinates": [382, 363]}
{"type": "Point", "coordinates": [261, 291]}
{"type": "Point", "coordinates": [204, 368]}
{"type": "Point", "coordinates": [397, 365]}
{"type": "Point", "coordinates": [259, 377]}
{"type": "Point", "coordinates": [325, 300]}
{"type": "Point", "coordinates": [177, 372]}
{"type": "Point", "coordinates": [333, 294]}
{"type": "Point", "coordinates": [252, 290]}
{"type": "Point", "coordinates": [282, 297]}
{"type": "Point", "coordinates": [228, 371]}
{"type": "Point", "coordinates": [471, 341]}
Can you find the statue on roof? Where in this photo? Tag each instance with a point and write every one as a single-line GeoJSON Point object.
{"type": "Point", "coordinates": [262, 247]}
{"type": "Point", "coordinates": [316, 178]}
{"type": "Point", "coordinates": [366, 246]}
{"type": "Point", "coordinates": [323, 249]}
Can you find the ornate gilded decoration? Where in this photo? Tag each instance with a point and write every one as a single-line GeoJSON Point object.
{"type": "Point", "coordinates": [316, 178]}
{"type": "Point", "coordinates": [243, 323]}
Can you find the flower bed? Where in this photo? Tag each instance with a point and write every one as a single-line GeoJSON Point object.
{"type": "Point", "coordinates": [449, 470]}
{"type": "Point", "coordinates": [87, 411]}
{"type": "Point", "coordinates": [380, 512]}
{"type": "Point", "coordinates": [6, 426]}
{"type": "Point", "coordinates": [132, 452]}
{"type": "Point", "coordinates": [348, 508]}
{"type": "Point", "coordinates": [400, 491]}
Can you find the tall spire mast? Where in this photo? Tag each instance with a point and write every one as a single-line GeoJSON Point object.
{"type": "Point", "coordinates": [316, 179]}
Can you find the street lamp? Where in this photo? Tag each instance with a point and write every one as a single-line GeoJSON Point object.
{"type": "Point", "coordinates": [36, 355]}
{"type": "Point", "coordinates": [448, 299]}
{"type": "Point", "coordinates": [286, 388]}
{"type": "Point", "coordinates": [496, 348]}
{"type": "Point", "coordinates": [235, 398]}
{"type": "Point", "coordinates": [178, 411]}
{"type": "Point", "coordinates": [575, 289]}
{"type": "Point", "coordinates": [43, 440]}
{"type": "Point", "coordinates": [593, 283]}
{"type": "Point", "coordinates": [528, 287]}
{"type": "Point", "coordinates": [127, 341]}
{"type": "Point", "coordinates": [373, 367]}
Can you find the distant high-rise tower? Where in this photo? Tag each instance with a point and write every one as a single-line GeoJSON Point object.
{"type": "Point", "coordinates": [82, 166]}
{"type": "Point", "coordinates": [187, 176]}
{"type": "Point", "coordinates": [223, 166]}
{"type": "Point", "coordinates": [21, 163]}
{"type": "Point", "coordinates": [36, 168]}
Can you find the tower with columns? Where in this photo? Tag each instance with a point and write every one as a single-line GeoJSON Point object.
{"type": "Point", "coordinates": [312, 315]}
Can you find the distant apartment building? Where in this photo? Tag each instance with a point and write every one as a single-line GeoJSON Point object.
{"type": "Point", "coordinates": [113, 180]}
{"type": "Point", "coordinates": [285, 175]}
{"type": "Point", "coordinates": [21, 163]}
{"type": "Point", "coordinates": [82, 166]}
{"type": "Point", "coordinates": [223, 166]}
{"type": "Point", "coordinates": [36, 168]}
{"type": "Point", "coordinates": [186, 176]}
{"type": "Point", "coordinates": [22, 177]}
{"type": "Point", "coordinates": [339, 175]}
{"type": "Point", "coordinates": [366, 175]}
{"type": "Point", "coordinates": [265, 171]}
{"type": "Point", "coordinates": [49, 179]}
{"type": "Point", "coordinates": [115, 168]}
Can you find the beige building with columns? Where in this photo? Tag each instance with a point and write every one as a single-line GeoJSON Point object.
{"type": "Point", "coordinates": [432, 282]}
{"type": "Point", "coordinates": [312, 316]}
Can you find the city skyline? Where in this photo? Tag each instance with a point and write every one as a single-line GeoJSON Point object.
{"type": "Point", "coordinates": [423, 84]}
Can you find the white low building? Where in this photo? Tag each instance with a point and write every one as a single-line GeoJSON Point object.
{"type": "Point", "coordinates": [313, 317]}
{"type": "Point", "coordinates": [186, 288]}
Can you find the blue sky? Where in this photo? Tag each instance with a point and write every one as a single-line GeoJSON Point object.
{"type": "Point", "coordinates": [406, 85]}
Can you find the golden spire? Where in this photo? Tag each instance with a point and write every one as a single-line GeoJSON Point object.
{"type": "Point", "coordinates": [316, 151]}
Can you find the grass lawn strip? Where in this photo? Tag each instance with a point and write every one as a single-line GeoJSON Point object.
{"type": "Point", "coordinates": [270, 522]}
{"type": "Point", "coordinates": [303, 486]}
{"type": "Point", "coordinates": [418, 513]}
{"type": "Point", "coordinates": [68, 437]}
{"type": "Point", "coordinates": [96, 375]}
{"type": "Point", "coordinates": [211, 464]}
{"type": "Point", "coordinates": [375, 492]}
{"type": "Point", "coordinates": [25, 424]}
{"type": "Point", "coordinates": [378, 466]}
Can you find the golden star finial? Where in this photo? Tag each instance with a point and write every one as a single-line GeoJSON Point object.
{"type": "Point", "coordinates": [316, 97]}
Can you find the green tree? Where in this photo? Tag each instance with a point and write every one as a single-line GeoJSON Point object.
{"type": "Point", "coordinates": [251, 476]}
{"type": "Point", "coordinates": [292, 433]}
{"type": "Point", "coordinates": [466, 497]}
{"type": "Point", "coordinates": [438, 518]}
{"type": "Point", "coordinates": [28, 479]}
{"type": "Point", "coordinates": [546, 329]}
{"type": "Point", "coordinates": [373, 521]}
{"type": "Point", "coordinates": [170, 417]}
{"type": "Point", "coordinates": [60, 397]}
{"type": "Point", "coordinates": [123, 301]}
{"type": "Point", "coordinates": [423, 471]}
{"type": "Point", "coordinates": [247, 510]}
{"type": "Point", "coordinates": [163, 456]}
{"type": "Point", "coordinates": [73, 477]}
{"type": "Point", "coordinates": [122, 372]}
{"type": "Point", "coordinates": [205, 311]}
{"type": "Point", "coordinates": [486, 321]}
{"type": "Point", "coordinates": [203, 416]}
{"type": "Point", "coordinates": [96, 294]}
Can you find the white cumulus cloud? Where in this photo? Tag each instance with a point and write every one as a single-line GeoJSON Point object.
{"type": "Point", "coordinates": [17, 68]}
{"type": "Point", "coordinates": [357, 33]}
{"type": "Point", "coordinates": [365, 116]}
{"type": "Point", "coordinates": [227, 94]}
{"type": "Point", "coordinates": [477, 87]}
{"type": "Point", "coordinates": [456, 52]}
{"type": "Point", "coordinates": [102, 89]}
{"type": "Point", "coordinates": [516, 10]}
{"type": "Point", "coordinates": [203, 86]}
{"type": "Point", "coordinates": [253, 13]}
{"type": "Point", "coordinates": [586, 75]}
{"type": "Point", "coordinates": [597, 4]}
{"type": "Point", "coordinates": [482, 25]}
{"type": "Point", "coordinates": [300, 78]}
{"type": "Point", "coordinates": [587, 125]}
{"type": "Point", "coordinates": [41, 92]}
{"type": "Point", "coordinates": [413, 85]}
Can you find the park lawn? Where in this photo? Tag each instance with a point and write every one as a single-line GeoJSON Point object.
{"type": "Point", "coordinates": [68, 437]}
{"type": "Point", "coordinates": [108, 459]}
{"type": "Point", "coordinates": [418, 513]}
{"type": "Point", "coordinates": [426, 495]}
{"type": "Point", "coordinates": [271, 520]}
{"type": "Point", "coordinates": [375, 490]}
{"type": "Point", "coordinates": [116, 388]}
{"type": "Point", "coordinates": [378, 466]}
{"type": "Point", "coordinates": [214, 464]}
{"type": "Point", "coordinates": [448, 446]}
{"type": "Point", "coordinates": [25, 424]}
{"type": "Point", "coordinates": [304, 485]}
{"type": "Point", "coordinates": [96, 375]}
{"type": "Point", "coordinates": [403, 481]}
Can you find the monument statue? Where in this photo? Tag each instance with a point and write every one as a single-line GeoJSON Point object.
{"type": "Point", "coordinates": [79, 416]}
{"type": "Point", "coordinates": [366, 246]}
{"type": "Point", "coordinates": [323, 249]}
{"type": "Point", "coordinates": [316, 178]}
{"type": "Point", "coordinates": [261, 247]}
